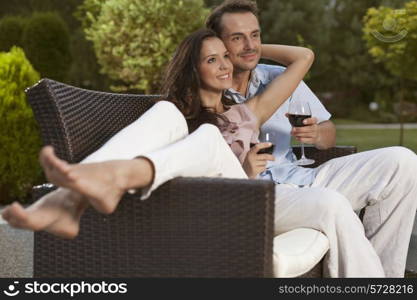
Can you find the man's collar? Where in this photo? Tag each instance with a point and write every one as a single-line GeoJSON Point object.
{"type": "Point", "coordinates": [262, 74]}
{"type": "Point", "coordinates": [234, 95]}
{"type": "Point", "coordinates": [255, 77]}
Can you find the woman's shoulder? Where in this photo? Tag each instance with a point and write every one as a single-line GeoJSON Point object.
{"type": "Point", "coordinates": [240, 112]}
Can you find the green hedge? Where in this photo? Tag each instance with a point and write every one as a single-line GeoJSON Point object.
{"type": "Point", "coordinates": [11, 31]}
{"type": "Point", "coordinates": [46, 41]}
{"type": "Point", "coordinates": [134, 40]}
{"type": "Point", "coordinates": [19, 135]}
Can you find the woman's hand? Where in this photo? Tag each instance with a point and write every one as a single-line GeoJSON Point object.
{"type": "Point", "coordinates": [255, 163]}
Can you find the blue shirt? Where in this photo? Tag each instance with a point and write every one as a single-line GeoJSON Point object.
{"type": "Point", "coordinates": [283, 169]}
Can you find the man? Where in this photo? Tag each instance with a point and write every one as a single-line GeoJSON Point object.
{"type": "Point", "coordinates": [326, 197]}
{"type": "Point", "coordinates": [241, 34]}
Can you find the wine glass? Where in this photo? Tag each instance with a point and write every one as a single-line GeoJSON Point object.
{"type": "Point", "coordinates": [298, 111]}
{"type": "Point", "coordinates": [266, 137]}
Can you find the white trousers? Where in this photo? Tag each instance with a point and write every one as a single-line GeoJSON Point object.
{"type": "Point", "coordinates": [385, 182]}
{"type": "Point", "coordinates": [161, 135]}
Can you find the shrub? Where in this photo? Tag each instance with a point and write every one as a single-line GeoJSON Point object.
{"type": "Point", "coordinates": [134, 39]}
{"type": "Point", "coordinates": [46, 43]}
{"type": "Point", "coordinates": [19, 137]}
{"type": "Point", "coordinates": [89, 10]}
{"type": "Point", "coordinates": [11, 31]}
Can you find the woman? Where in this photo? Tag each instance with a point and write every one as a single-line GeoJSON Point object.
{"type": "Point", "coordinates": [196, 78]}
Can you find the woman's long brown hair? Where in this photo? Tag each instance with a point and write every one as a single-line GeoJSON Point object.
{"type": "Point", "coordinates": [182, 82]}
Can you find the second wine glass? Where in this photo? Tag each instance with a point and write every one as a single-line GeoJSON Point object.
{"type": "Point", "coordinates": [298, 111]}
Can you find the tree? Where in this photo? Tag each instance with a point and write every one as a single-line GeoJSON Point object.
{"type": "Point", "coordinates": [212, 3]}
{"type": "Point", "coordinates": [391, 37]}
{"type": "Point", "coordinates": [134, 39]}
{"type": "Point", "coordinates": [298, 22]}
{"type": "Point", "coordinates": [333, 29]}
{"type": "Point", "coordinates": [26, 8]}
{"type": "Point", "coordinates": [84, 70]}
{"type": "Point", "coordinates": [88, 11]}
{"type": "Point", "coordinates": [46, 42]}
{"type": "Point", "coordinates": [11, 31]}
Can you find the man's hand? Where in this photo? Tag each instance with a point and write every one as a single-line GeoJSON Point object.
{"type": "Point", "coordinates": [309, 133]}
{"type": "Point", "coordinates": [322, 135]}
{"type": "Point", "coordinates": [256, 163]}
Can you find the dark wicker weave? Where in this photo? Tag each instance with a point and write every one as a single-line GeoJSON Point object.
{"type": "Point", "coordinates": [189, 227]}
{"type": "Point", "coordinates": [321, 156]}
{"type": "Point", "coordinates": [77, 121]}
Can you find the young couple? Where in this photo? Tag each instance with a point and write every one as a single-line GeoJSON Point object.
{"type": "Point", "coordinates": [210, 68]}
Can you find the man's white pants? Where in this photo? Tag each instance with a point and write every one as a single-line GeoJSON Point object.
{"type": "Point", "coordinates": [383, 180]}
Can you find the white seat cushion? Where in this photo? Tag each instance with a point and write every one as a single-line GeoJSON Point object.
{"type": "Point", "coordinates": [298, 251]}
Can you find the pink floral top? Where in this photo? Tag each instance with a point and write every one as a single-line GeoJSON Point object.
{"type": "Point", "coordinates": [241, 131]}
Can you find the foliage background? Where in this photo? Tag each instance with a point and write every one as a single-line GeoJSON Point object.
{"type": "Point", "coordinates": [19, 136]}
{"type": "Point", "coordinates": [45, 40]}
{"type": "Point", "coordinates": [345, 76]}
{"type": "Point", "coordinates": [134, 39]}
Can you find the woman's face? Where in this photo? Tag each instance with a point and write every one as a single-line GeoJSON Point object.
{"type": "Point", "coordinates": [215, 68]}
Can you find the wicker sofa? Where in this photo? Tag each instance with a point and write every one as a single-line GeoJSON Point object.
{"type": "Point", "coordinates": [189, 227]}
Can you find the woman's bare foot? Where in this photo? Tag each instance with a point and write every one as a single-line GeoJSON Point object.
{"type": "Point", "coordinates": [58, 213]}
{"type": "Point", "coordinates": [102, 183]}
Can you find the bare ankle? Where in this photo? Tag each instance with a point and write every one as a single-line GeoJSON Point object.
{"type": "Point", "coordinates": [136, 173]}
{"type": "Point", "coordinates": [150, 170]}
{"type": "Point", "coordinates": [72, 198]}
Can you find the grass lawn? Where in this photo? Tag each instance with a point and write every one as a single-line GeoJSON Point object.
{"type": "Point", "coordinates": [367, 139]}
{"type": "Point", "coordinates": [346, 122]}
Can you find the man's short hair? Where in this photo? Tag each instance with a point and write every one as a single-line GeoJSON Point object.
{"type": "Point", "coordinates": [213, 21]}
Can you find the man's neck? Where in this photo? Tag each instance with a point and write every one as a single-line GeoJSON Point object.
{"type": "Point", "coordinates": [241, 81]}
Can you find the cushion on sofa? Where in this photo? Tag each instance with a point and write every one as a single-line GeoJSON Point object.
{"type": "Point", "coordinates": [297, 251]}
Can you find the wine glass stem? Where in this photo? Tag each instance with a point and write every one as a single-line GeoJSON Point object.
{"type": "Point", "coordinates": [302, 151]}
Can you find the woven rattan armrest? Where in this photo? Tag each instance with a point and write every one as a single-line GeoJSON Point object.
{"type": "Point", "coordinates": [321, 156]}
{"type": "Point", "coordinates": [76, 121]}
{"type": "Point", "coordinates": [189, 227]}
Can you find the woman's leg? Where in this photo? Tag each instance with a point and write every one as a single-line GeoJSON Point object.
{"type": "Point", "coordinates": [159, 126]}
{"type": "Point", "coordinates": [203, 153]}
{"type": "Point", "coordinates": [60, 210]}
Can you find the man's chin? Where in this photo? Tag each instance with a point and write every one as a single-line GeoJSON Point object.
{"type": "Point", "coordinates": [246, 66]}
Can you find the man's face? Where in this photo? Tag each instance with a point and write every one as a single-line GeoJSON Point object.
{"type": "Point", "coordinates": [242, 37]}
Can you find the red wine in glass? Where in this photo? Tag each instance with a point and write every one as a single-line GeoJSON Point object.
{"type": "Point", "coordinates": [268, 150]}
{"type": "Point", "coordinates": [266, 137]}
{"type": "Point", "coordinates": [298, 111]}
{"type": "Point", "coordinates": [297, 120]}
